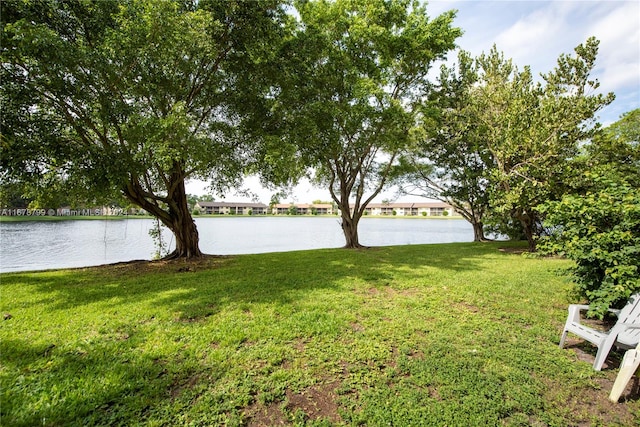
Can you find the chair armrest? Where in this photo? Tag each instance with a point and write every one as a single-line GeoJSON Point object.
{"type": "Point", "coordinates": [580, 307]}
{"type": "Point", "coordinates": [614, 311]}
{"type": "Point", "coordinates": [574, 312]}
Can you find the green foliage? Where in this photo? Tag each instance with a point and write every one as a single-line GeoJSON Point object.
{"type": "Point", "coordinates": [496, 143]}
{"type": "Point", "coordinates": [600, 231]}
{"type": "Point", "coordinates": [457, 334]}
{"type": "Point", "coordinates": [132, 98]}
{"type": "Point", "coordinates": [12, 196]}
{"type": "Point", "coordinates": [450, 162]}
{"type": "Point", "coordinates": [537, 129]}
{"type": "Point", "coordinates": [357, 71]}
{"type": "Point", "coordinates": [616, 150]}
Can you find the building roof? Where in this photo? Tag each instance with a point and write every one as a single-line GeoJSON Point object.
{"type": "Point", "coordinates": [408, 205]}
{"type": "Point", "coordinates": [302, 205]}
{"type": "Point", "coordinates": [230, 205]}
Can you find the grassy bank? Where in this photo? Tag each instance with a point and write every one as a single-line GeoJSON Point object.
{"type": "Point", "coordinates": [455, 334]}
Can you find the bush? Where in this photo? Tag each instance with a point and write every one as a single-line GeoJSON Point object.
{"type": "Point", "coordinates": [601, 233]}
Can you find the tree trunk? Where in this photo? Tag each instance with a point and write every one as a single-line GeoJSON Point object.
{"type": "Point", "coordinates": [473, 217]}
{"type": "Point", "coordinates": [186, 233]}
{"type": "Point", "coordinates": [528, 228]}
{"type": "Point", "coordinates": [350, 226]}
{"type": "Point", "coordinates": [478, 231]}
{"type": "Point", "coordinates": [182, 225]}
{"type": "Point", "coordinates": [176, 218]}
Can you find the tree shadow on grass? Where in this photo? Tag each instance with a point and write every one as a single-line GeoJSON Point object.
{"type": "Point", "coordinates": [218, 281]}
{"type": "Point", "coordinates": [97, 382]}
{"type": "Point", "coordinates": [97, 385]}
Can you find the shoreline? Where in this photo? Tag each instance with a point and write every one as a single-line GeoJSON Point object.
{"type": "Point", "coordinates": [36, 218]}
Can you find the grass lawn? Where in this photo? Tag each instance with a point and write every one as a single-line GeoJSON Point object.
{"type": "Point", "coordinates": [453, 334]}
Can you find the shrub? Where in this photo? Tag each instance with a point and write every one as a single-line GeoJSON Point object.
{"type": "Point", "coordinates": [601, 233]}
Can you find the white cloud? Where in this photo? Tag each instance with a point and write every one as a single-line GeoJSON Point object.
{"type": "Point", "coordinates": [547, 31]}
{"type": "Point", "coordinates": [618, 64]}
{"type": "Point", "coordinates": [527, 36]}
{"type": "Point", "coordinates": [535, 33]}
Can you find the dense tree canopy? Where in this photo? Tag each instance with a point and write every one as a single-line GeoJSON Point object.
{"type": "Point", "coordinates": [133, 97]}
{"type": "Point", "coordinates": [107, 99]}
{"type": "Point", "coordinates": [450, 161]}
{"type": "Point", "coordinates": [597, 222]}
{"type": "Point", "coordinates": [497, 143]}
{"type": "Point", "coordinates": [540, 132]}
{"type": "Point", "coordinates": [616, 150]}
{"type": "Point", "coordinates": [358, 71]}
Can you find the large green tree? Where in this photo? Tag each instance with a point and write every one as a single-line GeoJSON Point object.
{"type": "Point", "coordinates": [133, 97]}
{"type": "Point", "coordinates": [498, 143]}
{"type": "Point", "coordinates": [358, 71]}
{"type": "Point", "coordinates": [535, 130]}
{"type": "Point", "coordinates": [449, 161]}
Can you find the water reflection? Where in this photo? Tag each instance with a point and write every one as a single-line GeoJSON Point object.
{"type": "Point", "coordinates": [44, 245]}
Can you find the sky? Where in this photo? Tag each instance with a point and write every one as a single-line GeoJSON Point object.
{"type": "Point", "coordinates": [533, 33]}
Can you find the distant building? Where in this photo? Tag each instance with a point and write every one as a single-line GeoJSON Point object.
{"type": "Point", "coordinates": [374, 209]}
{"type": "Point", "coordinates": [410, 209]}
{"type": "Point", "coordinates": [303, 209]}
{"type": "Point", "coordinates": [231, 208]}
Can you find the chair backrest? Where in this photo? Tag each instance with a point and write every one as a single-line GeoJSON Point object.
{"type": "Point", "coordinates": [630, 314]}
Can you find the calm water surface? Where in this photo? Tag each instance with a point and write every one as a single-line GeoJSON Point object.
{"type": "Point", "coordinates": [44, 245]}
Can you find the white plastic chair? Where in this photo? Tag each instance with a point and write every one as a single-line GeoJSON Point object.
{"type": "Point", "coordinates": [628, 367]}
{"type": "Point", "coordinates": [624, 334]}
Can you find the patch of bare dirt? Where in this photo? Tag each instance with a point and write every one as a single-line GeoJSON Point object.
{"type": "Point", "coordinates": [180, 385]}
{"type": "Point", "coordinates": [464, 306]}
{"type": "Point", "coordinates": [391, 292]}
{"type": "Point", "coordinates": [261, 416]}
{"type": "Point", "coordinates": [318, 402]}
{"type": "Point", "coordinates": [205, 262]}
{"type": "Point", "coordinates": [589, 404]}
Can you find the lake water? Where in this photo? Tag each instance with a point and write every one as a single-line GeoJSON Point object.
{"type": "Point", "coordinates": [58, 244]}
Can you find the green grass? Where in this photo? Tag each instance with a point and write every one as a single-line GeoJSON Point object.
{"type": "Point", "coordinates": [455, 334]}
